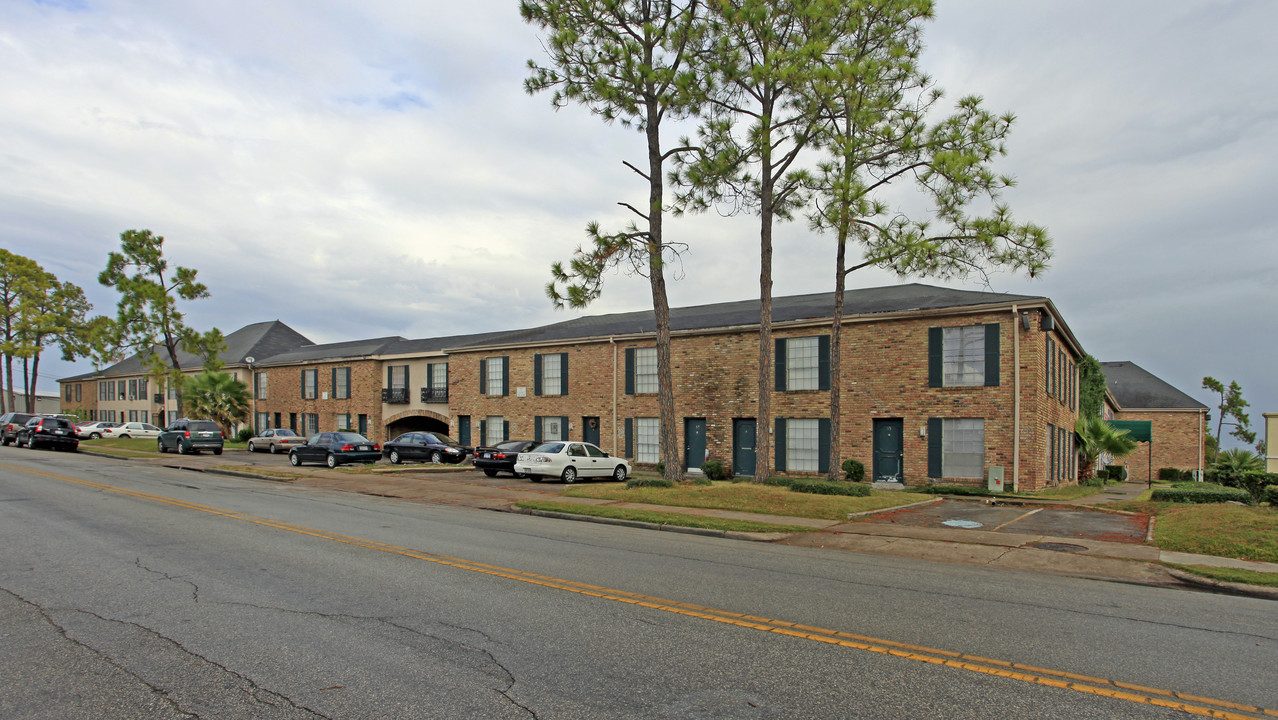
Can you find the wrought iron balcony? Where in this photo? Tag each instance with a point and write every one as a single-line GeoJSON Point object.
{"type": "Point", "coordinates": [395, 396]}
{"type": "Point", "coordinates": [434, 395]}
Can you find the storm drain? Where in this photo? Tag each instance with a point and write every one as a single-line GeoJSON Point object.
{"type": "Point", "coordinates": [1058, 547]}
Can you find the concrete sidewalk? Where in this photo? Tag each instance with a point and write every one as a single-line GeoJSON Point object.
{"type": "Point", "coordinates": [1123, 562]}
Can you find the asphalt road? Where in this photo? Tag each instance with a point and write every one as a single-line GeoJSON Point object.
{"type": "Point", "coordinates": [145, 592]}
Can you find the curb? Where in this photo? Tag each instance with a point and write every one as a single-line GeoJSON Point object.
{"type": "Point", "coordinates": [1222, 586]}
{"type": "Point", "coordinates": [921, 503]}
{"type": "Point", "coordinates": [729, 534]}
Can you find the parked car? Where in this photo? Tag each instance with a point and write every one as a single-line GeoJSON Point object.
{"type": "Point", "coordinates": [335, 448]}
{"type": "Point", "coordinates": [569, 461]}
{"type": "Point", "coordinates": [93, 430]}
{"type": "Point", "coordinates": [10, 424]}
{"type": "Point", "coordinates": [132, 430]}
{"type": "Point", "coordinates": [501, 457]}
{"type": "Point", "coordinates": [57, 433]}
{"type": "Point", "coordinates": [275, 440]}
{"type": "Point", "coordinates": [190, 436]}
{"type": "Point", "coordinates": [432, 446]}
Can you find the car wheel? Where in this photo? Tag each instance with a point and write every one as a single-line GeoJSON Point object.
{"type": "Point", "coordinates": [394, 457]}
{"type": "Point", "coordinates": [4, 441]}
{"type": "Point", "coordinates": [534, 478]}
{"type": "Point", "coordinates": [125, 437]}
{"type": "Point", "coordinates": [294, 459]}
{"type": "Point", "coordinates": [251, 447]}
{"type": "Point", "coordinates": [92, 436]}
{"type": "Point", "coordinates": [217, 451]}
{"type": "Point", "coordinates": [437, 457]}
{"type": "Point", "coordinates": [520, 475]}
{"type": "Point", "coordinates": [273, 450]}
{"type": "Point", "coordinates": [331, 460]}
{"type": "Point", "coordinates": [619, 473]}
{"type": "Point", "coordinates": [570, 475]}
{"type": "Point", "coordinates": [159, 447]}
{"type": "Point", "coordinates": [181, 448]}
{"type": "Point", "coordinates": [490, 472]}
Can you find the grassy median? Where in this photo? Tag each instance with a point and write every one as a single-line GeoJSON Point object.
{"type": "Point", "coordinates": [747, 497]}
{"type": "Point", "coordinates": [1220, 529]}
{"type": "Point", "coordinates": [660, 518]}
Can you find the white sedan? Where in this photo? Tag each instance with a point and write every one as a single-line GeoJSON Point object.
{"type": "Point", "coordinates": [569, 461]}
{"type": "Point", "coordinates": [93, 430]}
{"type": "Point", "coordinates": [132, 430]}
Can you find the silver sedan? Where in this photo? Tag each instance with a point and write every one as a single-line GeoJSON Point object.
{"type": "Point", "coordinates": [275, 440]}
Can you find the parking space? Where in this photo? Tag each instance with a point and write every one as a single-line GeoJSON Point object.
{"type": "Point", "coordinates": [1026, 520]}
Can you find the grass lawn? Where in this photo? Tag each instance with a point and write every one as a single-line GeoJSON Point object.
{"type": "Point", "coordinates": [1249, 577]}
{"type": "Point", "coordinates": [1221, 529]}
{"type": "Point", "coordinates": [748, 497]}
{"type": "Point", "coordinates": [1067, 492]}
{"type": "Point", "coordinates": [661, 518]}
{"type": "Point", "coordinates": [132, 447]}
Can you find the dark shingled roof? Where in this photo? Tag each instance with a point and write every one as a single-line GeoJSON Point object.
{"type": "Point", "coordinates": [429, 345]}
{"type": "Point", "coordinates": [258, 341]}
{"type": "Point", "coordinates": [332, 351]}
{"type": "Point", "coordinates": [862, 301]}
{"type": "Point", "coordinates": [1136, 388]}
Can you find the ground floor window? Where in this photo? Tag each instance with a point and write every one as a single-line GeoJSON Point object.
{"type": "Point", "coordinates": [310, 424]}
{"type": "Point", "coordinates": [647, 440]}
{"type": "Point", "coordinates": [342, 421]}
{"type": "Point", "coordinates": [550, 428]}
{"type": "Point", "coordinates": [963, 448]}
{"type": "Point", "coordinates": [802, 445]}
{"type": "Point", "coordinates": [494, 430]}
{"type": "Point", "coordinates": [263, 422]}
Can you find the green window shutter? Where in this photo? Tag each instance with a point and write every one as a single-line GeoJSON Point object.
{"type": "Point", "coordinates": [483, 379]}
{"type": "Point", "coordinates": [430, 376]}
{"type": "Point", "coordinates": [934, 447]}
{"type": "Point", "coordinates": [778, 446]}
{"type": "Point", "coordinates": [935, 356]}
{"type": "Point", "coordinates": [334, 383]}
{"type": "Point", "coordinates": [778, 364]}
{"type": "Point", "coordinates": [563, 375]}
{"type": "Point", "coordinates": [992, 354]}
{"type": "Point", "coordinates": [823, 445]}
{"type": "Point", "coordinates": [823, 362]}
{"type": "Point", "coordinates": [505, 375]}
{"type": "Point", "coordinates": [505, 430]}
{"type": "Point", "coordinates": [630, 376]}
{"type": "Point", "coordinates": [563, 423]}
{"type": "Point", "coordinates": [630, 437]}
{"type": "Point", "coordinates": [302, 391]}
{"type": "Point", "coordinates": [536, 374]}
{"type": "Point", "coordinates": [483, 432]}
{"type": "Point", "coordinates": [537, 428]}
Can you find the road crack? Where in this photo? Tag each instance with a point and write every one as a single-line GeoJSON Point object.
{"type": "Point", "coordinates": [195, 589]}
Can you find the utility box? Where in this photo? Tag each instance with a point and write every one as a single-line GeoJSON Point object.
{"type": "Point", "coordinates": [996, 478]}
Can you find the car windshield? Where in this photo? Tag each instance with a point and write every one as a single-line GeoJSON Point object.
{"type": "Point", "coordinates": [441, 439]}
{"type": "Point", "coordinates": [550, 447]}
{"type": "Point", "coordinates": [516, 445]}
{"type": "Point", "coordinates": [285, 433]}
{"type": "Point", "coordinates": [343, 437]}
{"type": "Point", "coordinates": [203, 426]}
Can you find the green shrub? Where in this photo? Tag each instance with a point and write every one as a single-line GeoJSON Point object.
{"type": "Point", "coordinates": [1195, 495]}
{"type": "Point", "coordinates": [717, 469]}
{"type": "Point", "coordinates": [778, 481]}
{"type": "Point", "coordinates": [1117, 473]}
{"type": "Point", "coordinates": [661, 468]}
{"type": "Point", "coordinates": [1095, 481]}
{"type": "Point", "coordinates": [244, 434]}
{"type": "Point", "coordinates": [853, 470]}
{"type": "Point", "coordinates": [1271, 495]}
{"type": "Point", "coordinates": [634, 482]}
{"type": "Point", "coordinates": [1187, 476]}
{"type": "Point", "coordinates": [952, 490]}
{"type": "Point", "coordinates": [1257, 484]}
{"type": "Point", "coordinates": [1169, 474]}
{"type": "Point", "coordinates": [821, 487]}
{"type": "Point", "coordinates": [701, 480]}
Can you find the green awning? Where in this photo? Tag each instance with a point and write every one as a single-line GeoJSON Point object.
{"type": "Point", "coordinates": [1138, 430]}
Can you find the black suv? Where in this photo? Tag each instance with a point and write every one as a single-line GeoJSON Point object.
{"type": "Point", "coordinates": [190, 436]}
{"type": "Point", "coordinates": [54, 432]}
{"type": "Point", "coordinates": [10, 424]}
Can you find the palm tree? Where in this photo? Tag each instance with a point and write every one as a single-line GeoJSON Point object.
{"type": "Point", "coordinates": [1238, 460]}
{"type": "Point", "coordinates": [1098, 437]}
{"type": "Point", "coordinates": [218, 397]}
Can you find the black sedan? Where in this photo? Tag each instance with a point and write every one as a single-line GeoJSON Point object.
{"type": "Point", "coordinates": [335, 448]}
{"type": "Point", "coordinates": [425, 446]}
{"type": "Point", "coordinates": [501, 457]}
{"type": "Point", "coordinates": [51, 432]}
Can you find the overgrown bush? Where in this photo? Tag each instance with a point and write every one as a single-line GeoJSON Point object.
{"type": "Point", "coordinates": [1095, 481]}
{"type": "Point", "coordinates": [661, 468]}
{"type": "Point", "coordinates": [1197, 495]}
{"type": "Point", "coordinates": [244, 434]}
{"type": "Point", "coordinates": [778, 481]}
{"type": "Point", "coordinates": [853, 470]}
{"type": "Point", "coordinates": [634, 482]}
{"type": "Point", "coordinates": [1117, 473]}
{"type": "Point", "coordinates": [821, 487]}
{"type": "Point", "coordinates": [951, 490]}
{"type": "Point", "coordinates": [1169, 474]}
{"type": "Point", "coordinates": [1254, 483]}
{"type": "Point", "coordinates": [1271, 495]}
{"type": "Point", "coordinates": [717, 469]}
{"type": "Point", "coordinates": [701, 480]}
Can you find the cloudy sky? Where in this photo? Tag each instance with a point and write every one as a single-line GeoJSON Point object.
{"type": "Point", "coordinates": [375, 168]}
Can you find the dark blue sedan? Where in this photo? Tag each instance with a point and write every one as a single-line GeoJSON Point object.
{"type": "Point", "coordinates": [335, 448]}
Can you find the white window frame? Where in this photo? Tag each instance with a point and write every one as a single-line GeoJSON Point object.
{"type": "Point", "coordinates": [494, 377]}
{"type": "Point", "coordinates": [963, 356]}
{"type": "Point", "coordinates": [552, 375]}
{"type": "Point", "coordinates": [647, 436]}
{"type": "Point", "coordinates": [260, 380]}
{"type": "Point", "coordinates": [963, 448]}
{"type": "Point", "coordinates": [310, 384]}
{"type": "Point", "coordinates": [494, 429]}
{"type": "Point", "coordinates": [803, 363]}
{"type": "Point", "coordinates": [802, 445]}
{"type": "Point", "coordinates": [342, 384]}
{"type": "Point", "coordinates": [646, 371]}
{"type": "Point", "coordinates": [341, 421]}
{"type": "Point", "coordinates": [560, 427]}
{"type": "Point", "coordinates": [438, 376]}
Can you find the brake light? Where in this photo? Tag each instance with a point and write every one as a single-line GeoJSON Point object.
{"type": "Point", "coordinates": [376, 446]}
{"type": "Point", "coordinates": [499, 456]}
{"type": "Point", "coordinates": [347, 448]}
{"type": "Point", "coordinates": [186, 433]}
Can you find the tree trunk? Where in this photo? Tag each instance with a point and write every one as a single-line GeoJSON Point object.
{"type": "Point", "coordinates": [836, 357]}
{"type": "Point", "coordinates": [29, 402]}
{"type": "Point", "coordinates": [669, 448]}
{"type": "Point", "coordinates": [763, 459]}
{"type": "Point", "coordinates": [35, 373]}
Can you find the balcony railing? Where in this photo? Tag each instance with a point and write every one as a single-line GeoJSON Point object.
{"type": "Point", "coordinates": [434, 395]}
{"type": "Point", "coordinates": [395, 396]}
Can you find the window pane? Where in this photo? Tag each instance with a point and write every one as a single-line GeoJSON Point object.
{"type": "Point", "coordinates": [550, 374]}
{"type": "Point", "coordinates": [495, 427]}
{"type": "Point", "coordinates": [647, 439]}
{"type": "Point", "coordinates": [801, 364]}
{"type": "Point", "coordinates": [801, 445]}
{"type": "Point", "coordinates": [552, 428]}
{"type": "Point", "coordinates": [964, 356]}
{"type": "Point", "coordinates": [439, 375]}
{"type": "Point", "coordinates": [494, 380]}
{"type": "Point", "coordinates": [646, 371]}
{"type": "Point", "coordinates": [963, 449]}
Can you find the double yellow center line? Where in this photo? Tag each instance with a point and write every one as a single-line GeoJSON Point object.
{"type": "Point", "coordinates": [1193, 704]}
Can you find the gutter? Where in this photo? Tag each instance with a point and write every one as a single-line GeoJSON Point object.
{"type": "Point", "coordinates": [1016, 400]}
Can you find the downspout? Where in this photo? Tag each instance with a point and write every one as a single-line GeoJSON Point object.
{"type": "Point", "coordinates": [613, 341]}
{"type": "Point", "coordinates": [1016, 400]}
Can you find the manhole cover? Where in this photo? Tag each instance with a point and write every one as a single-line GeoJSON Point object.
{"type": "Point", "coordinates": [966, 524]}
{"type": "Point", "coordinates": [1058, 547]}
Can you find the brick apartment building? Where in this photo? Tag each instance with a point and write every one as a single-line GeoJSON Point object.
{"type": "Point", "coordinates": [938, 385]}
{"type": "Point", "coordinates": [1178, 422]}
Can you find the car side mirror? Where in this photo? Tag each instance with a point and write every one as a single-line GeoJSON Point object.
{"type": "Point", "coordinates": [607, 455]}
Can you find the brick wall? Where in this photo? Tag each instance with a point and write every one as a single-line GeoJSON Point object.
{"type": "Point", "coordinates": [284, 395]}
{"type": "Point", "coordinates": [1178, 442]}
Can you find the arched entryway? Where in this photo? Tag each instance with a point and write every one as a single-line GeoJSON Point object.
{"type": "Point", "coordinates": [415, 421]}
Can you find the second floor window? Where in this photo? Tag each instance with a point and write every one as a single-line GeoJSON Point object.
{"type": "Point", "coordinates": [259, 380]}
{"type": "Point", "coordinates": [310, 382]}
{"type": "Point", "coordinates": [641, 371]}
{"type": "Point", "coordinates": [551, 374]}
{"type": "Point", "coordinates": [964, 356]}
{"type": "Point", "coordinates": [803, 363]}
{"type": "Point", "coordinates": [342, 384]}
{"type": "Point", "coordinates": [493, 375]}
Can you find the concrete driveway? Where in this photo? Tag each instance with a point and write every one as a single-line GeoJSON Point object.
{"type": "Point", "coordinates": [1057, 522]}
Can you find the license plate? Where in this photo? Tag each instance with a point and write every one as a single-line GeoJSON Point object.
{"type": "Point", "coordinates": [59, 432]}
{"type": "Point", "coordinates": [488, 455]}
{"type": "Point", "coordinates": [363, 447]}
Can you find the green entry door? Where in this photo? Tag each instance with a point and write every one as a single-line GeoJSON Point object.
{"type": "Point", "coordinates": [889, 451]}
{"type": "Point", "coordinates": [743, 447]}
{"type": "Point", "coordinates": [694, 442]}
